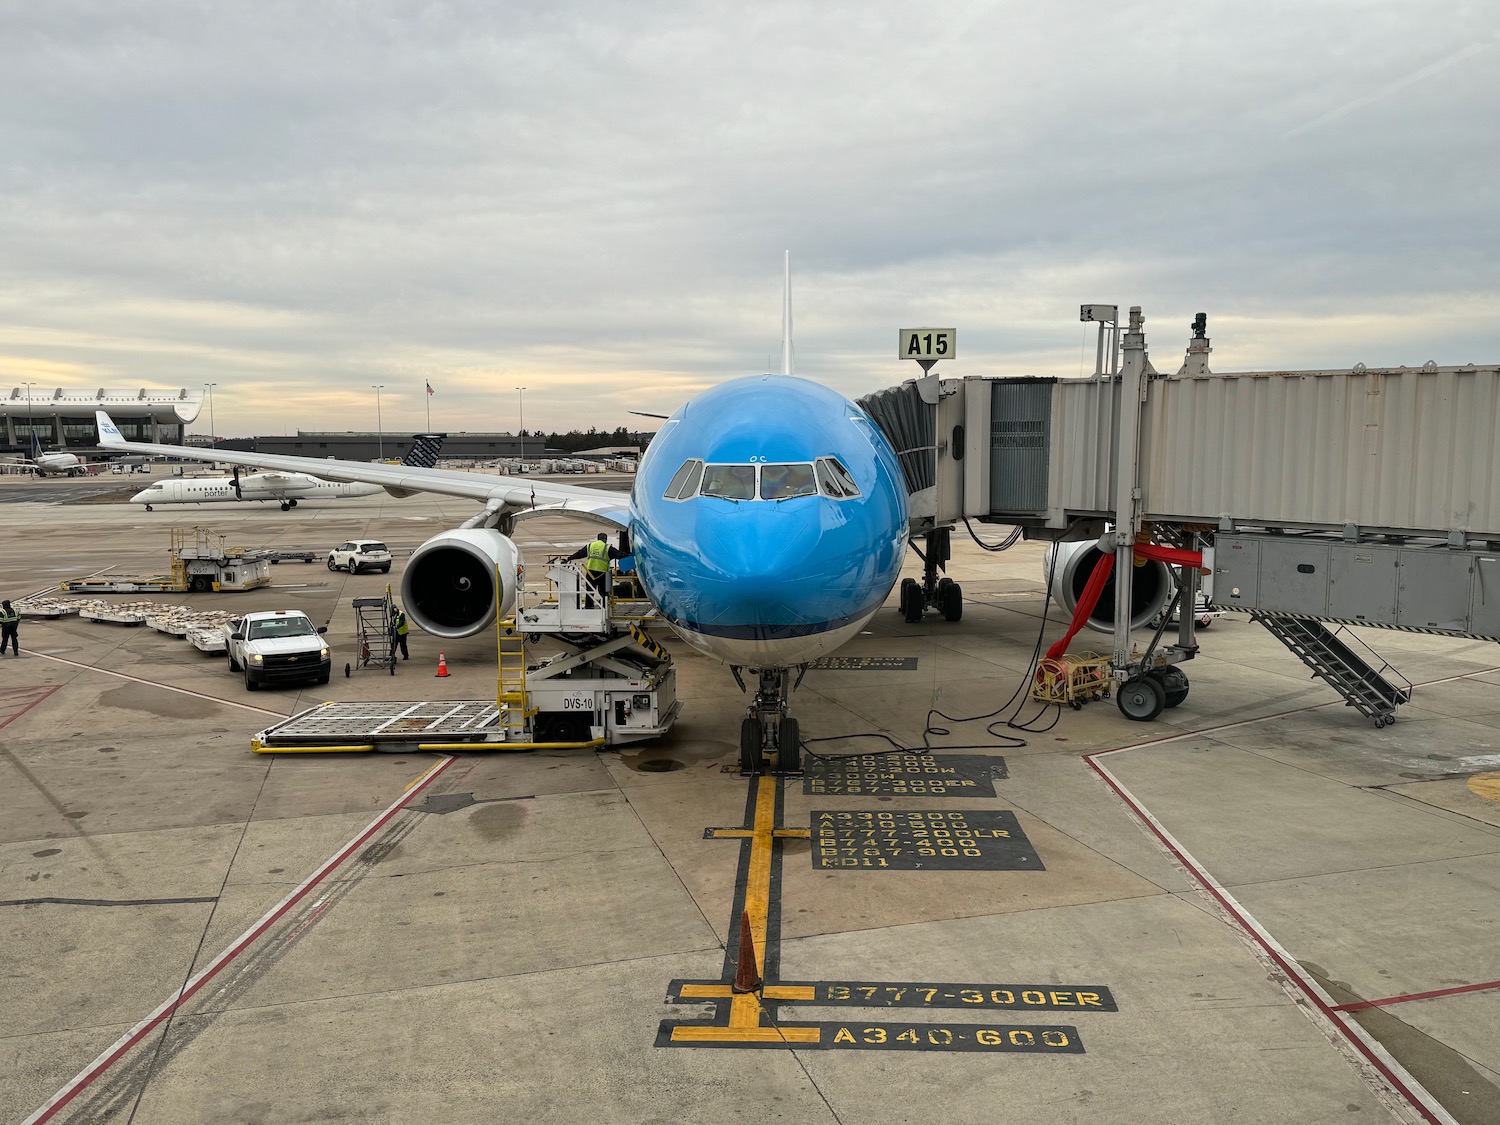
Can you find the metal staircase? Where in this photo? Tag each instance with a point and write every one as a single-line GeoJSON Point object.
{"type": "Point", "coordinates": [1333, 658]}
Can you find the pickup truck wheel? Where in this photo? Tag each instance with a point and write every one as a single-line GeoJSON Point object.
{"type": "Point", "coordinates": [323, 678]}
{"type": "Point", "coordinates": [250, 685]}
{"type": "Point", "coordinates": [233, 665]}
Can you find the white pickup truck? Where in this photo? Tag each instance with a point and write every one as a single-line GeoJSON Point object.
{"type": "Point", "coordinates": [277, 646]}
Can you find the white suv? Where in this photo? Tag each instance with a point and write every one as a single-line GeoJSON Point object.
{"type": "Point", "coordinates": [360, 554]}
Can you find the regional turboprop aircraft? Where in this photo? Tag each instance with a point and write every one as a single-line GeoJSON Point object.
{"type": "Point", "coordinates": [768, 518]}
{"type": "Point", "coordinates": [283, 488]}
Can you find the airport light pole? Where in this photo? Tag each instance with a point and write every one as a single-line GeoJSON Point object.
{"type": "Point", "coordinates": [213, 430]}
{"type": "Point", "coordinates": [30, 417]}
{"type": "Point", "coordinates": [379, 426]}
{"type": "Point", "coordinates": [521, 407]}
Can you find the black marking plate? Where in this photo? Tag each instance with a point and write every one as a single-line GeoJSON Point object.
{"type": "Point", "coordinates": [912, 840]}
{"type": "Point", "coordinates": [903, 775]}
{"type": "Point", "coordinates": [864, 664]}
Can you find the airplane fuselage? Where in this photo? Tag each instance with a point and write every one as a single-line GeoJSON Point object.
{"type": "Point", "coordinates": [770, 521]}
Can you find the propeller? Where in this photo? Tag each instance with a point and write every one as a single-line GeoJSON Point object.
{"type": "Point", "coordinates": [238, 495]}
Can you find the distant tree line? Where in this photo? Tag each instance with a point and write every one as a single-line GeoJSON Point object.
{"type": "Point", "coordinates": [593, 438]}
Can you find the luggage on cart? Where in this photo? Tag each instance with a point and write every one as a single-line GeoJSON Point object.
{"type": "Point", "coordinates": [374, 633]}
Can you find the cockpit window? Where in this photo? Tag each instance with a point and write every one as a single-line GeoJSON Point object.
{"type": "Point", "coordinates": [834, 480]}
{"type": "Point", "coordinates": [782, 482]}
{"type": "Point", "coordinates": [729, 482]}
{"type": "Point", "coordinates": [684, 482]}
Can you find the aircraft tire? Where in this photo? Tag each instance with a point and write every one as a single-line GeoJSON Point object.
{"type": "Point", "coordinates": [750, 744]}
{"type": "Point", "coordinates": [1141, 700]}
{"type": "Point", "coordinates": [789, 746]}
{"type": "Point", "coordinates": [285, 507]}
{"type": "Point", "coordinates": [148, 507]}
{"type": "Point", "coordinates": [292, 503]}
{"type": "Point", "coordinates": [951, 597]}
{"type": "Point", "coordinates": [911, 601]}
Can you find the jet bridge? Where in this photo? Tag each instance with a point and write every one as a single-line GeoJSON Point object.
{"type": "Point", "coordinates": [1367, 496]}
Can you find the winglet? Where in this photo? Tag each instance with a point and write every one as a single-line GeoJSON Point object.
{"type": "Point", "coordinates": [786, 319]}
{"type": "Point", "coordinates": [109, 433]}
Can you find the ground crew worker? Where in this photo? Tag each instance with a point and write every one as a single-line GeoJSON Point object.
{"type": "Point", "coordinates": [10, 621]}
{"type": "Point", "coordinates": [597, 555]}
{"type": "Point", "coordinates": [399, 629]}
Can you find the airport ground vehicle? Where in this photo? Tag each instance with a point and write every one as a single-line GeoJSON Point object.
{"type": "Point", "coordinates": [277, 646]}
{"type": "Point", "coordinates": [360, 554]}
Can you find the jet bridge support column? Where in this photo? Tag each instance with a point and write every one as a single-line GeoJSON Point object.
{"type": "Point", "coordinates": [1127, 483]}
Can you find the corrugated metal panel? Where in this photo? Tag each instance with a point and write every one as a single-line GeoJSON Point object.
{"type": "Point", "coordinates": [1404, 449]}
{"type": "Point", "coordinates": [1401, 450]}
{"type": "Point", "coordinates": [1020, 432]}
{"type": "Point", "coordinates": [1082, 463]}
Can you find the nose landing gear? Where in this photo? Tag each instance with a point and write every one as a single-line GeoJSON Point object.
{"type": "Point", "coordinates": [932, 592]}
{"type": "Point", "coordinates": [767, 731]}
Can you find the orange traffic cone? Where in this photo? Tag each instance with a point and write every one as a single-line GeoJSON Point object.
{"type": "Point", "coordinates": [442, 666]}
{"type": "Point", "coordinates": [747, 974]}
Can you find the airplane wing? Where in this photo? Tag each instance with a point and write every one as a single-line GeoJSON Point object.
{"type": "Point", "coordinates": [510, 493]}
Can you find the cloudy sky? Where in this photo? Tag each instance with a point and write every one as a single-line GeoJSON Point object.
{"type": "Point", "coordinates": [299, 200]}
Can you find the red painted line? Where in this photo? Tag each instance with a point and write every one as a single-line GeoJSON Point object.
{"type": "Point", "coordinates": [122, 1046]}
{"type": "Point", "coordinates": [30, 705]}
{"type": "Point", "coordinates": [1268, 945]}
{"type": "Point", "coordinates": [164, 687]}
{"type": "Point", "coordinates": [1360, 1005]}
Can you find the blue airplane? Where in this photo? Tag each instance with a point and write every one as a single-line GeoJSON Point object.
{"type": "Point", "coordinates": [768, 521]}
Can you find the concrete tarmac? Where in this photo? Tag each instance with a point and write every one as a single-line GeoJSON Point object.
{"type": "Point", "coordinates": [1259, 908]}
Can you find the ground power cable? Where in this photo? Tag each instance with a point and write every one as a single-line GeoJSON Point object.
{"type": "Point", "coordinates": [1001, 740]}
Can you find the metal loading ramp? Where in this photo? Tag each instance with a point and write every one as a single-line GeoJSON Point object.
{"type": "Point", "coordinates": [380, 725]}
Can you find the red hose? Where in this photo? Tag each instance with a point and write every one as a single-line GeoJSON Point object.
{"type": "Point", "coordinates": [1102, 570]}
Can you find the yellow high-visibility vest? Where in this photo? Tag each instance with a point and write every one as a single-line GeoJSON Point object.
{"type": "Point", "coordinates": [598, 560]}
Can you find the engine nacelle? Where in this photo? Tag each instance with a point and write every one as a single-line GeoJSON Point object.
{"type": "Point", "coordinates": [456, 583]}
{"type": "Point", "coordinates": [1150, 590]}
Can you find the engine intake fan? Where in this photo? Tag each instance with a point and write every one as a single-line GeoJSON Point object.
{"type": "Point", "coordinates": [1151, 587]}
{"type": "Point", "coordinates": [458, 582]}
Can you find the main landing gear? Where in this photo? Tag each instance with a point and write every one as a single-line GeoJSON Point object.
{"type": "Point", "coordinates": [288, 505]}
{"type": "Point", "coordinates": [768, 732]}
{"type": "Point", "coordinates": [933, 592]}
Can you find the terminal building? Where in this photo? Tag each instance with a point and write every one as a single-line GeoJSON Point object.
{"type": "Point", "coordinates": [64, 419]}
{"type": "Point", "coordinates": [391, 446]}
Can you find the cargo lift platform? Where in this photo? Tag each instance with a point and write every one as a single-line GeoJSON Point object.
{"type": "Point", "coordinates": [610, 686]}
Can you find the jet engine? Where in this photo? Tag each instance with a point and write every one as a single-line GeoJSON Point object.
{"type": "Point", "coordinates": [1151, 587]}
{"type": "Point", "coordinates": [457, 582]}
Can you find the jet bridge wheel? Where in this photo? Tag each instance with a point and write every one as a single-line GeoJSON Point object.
{"type": "Point", "coordinates": [750, 746]}
{"type": "Point", "coordinates": [1173, 681]}
{"type": "Point", "coordinates": [1141, 700]}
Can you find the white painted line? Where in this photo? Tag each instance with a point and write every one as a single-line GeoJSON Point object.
{"type": "Point", "coordinates": [164, 687]}
{"type": "Point", "coordinates": [164, 1010]}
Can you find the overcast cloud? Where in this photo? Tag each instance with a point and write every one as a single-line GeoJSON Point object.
{"type": "Point", "coordinates": [299, 200]}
